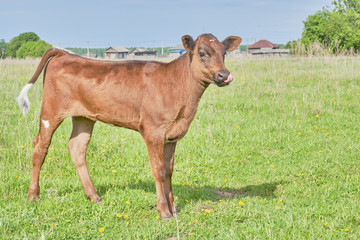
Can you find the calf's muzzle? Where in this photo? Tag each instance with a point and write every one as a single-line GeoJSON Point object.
{"type": "Point", "coordinates": [223, 78]}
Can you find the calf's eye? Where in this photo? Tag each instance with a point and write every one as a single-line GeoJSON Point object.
{"type": "Point", "coordinates": [201, 54]}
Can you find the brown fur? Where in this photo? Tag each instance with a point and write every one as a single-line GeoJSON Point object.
{"type": "Point", "coordinates": [159, 100]}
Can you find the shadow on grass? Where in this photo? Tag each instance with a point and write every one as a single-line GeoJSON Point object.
{"type": "Point", "coordinates": [264, 190]}
{"type": "Point", "coordinates": [192, 193]}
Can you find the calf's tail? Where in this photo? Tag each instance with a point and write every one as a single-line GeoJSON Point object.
{"type": "Point", "coordinates": [23, 99]}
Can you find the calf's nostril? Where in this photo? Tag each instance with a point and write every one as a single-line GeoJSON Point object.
{"type": "Point", "coordinates": [221, 76]}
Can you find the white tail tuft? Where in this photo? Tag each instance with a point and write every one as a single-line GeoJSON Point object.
{"type": "Point", "coordinates": [23, 99]}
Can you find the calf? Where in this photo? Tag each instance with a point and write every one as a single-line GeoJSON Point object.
{"type": "Point", "coordinates": [159, 100]}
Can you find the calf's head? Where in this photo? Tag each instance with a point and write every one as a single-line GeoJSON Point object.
{"type": "Point", "coordinates": [207, 55]}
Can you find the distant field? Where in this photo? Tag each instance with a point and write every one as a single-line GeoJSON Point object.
{"type": "Point", "coordinates": [273, 156]}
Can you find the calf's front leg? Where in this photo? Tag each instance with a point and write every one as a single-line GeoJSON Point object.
{"type": "Point", "coordinates": [169, 152]}
{"type": "Point", "coordinates": [162, 159]}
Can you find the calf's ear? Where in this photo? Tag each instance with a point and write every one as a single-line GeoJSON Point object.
{"type": "Point", "coordinates": [188, 43]}
{"type": "Point", "coordinates": [231, 43]}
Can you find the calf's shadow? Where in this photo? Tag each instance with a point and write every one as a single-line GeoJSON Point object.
{"type": "Point", "coordinates": [203, 193]}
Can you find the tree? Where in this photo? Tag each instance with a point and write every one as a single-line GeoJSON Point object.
{"type": "Point", "coordinates": [314, 27]}
{"type": "Point", "coordinates": [16, 42]}
{"type": "Point", "coordinates": [33, 49]}
{"type": "Point", "coordinates": [3, 48]}
{"type": "Point", "coordinates": [338, 28]}
{"type": "Point", "coordinates": [344, 6]}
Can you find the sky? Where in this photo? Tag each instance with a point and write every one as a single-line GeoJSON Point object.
{"type": "Point", "coordinates": [153, 23]}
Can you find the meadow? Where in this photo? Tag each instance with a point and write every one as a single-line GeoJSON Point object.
{"type": "Point", "coordinates": [275, 155]}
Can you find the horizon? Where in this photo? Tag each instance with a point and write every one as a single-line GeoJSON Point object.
{"type": "Point", "coordinates": [139, 23]}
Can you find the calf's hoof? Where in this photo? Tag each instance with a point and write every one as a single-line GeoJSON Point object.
{"type": "Point", "coordinates": [95, 199]}
{"type": "Point", "coordinates": [33, 195]}
{"type": "Point", "coordinates": [167, 218]}
{"type": "Point", "coordinates": [167, 215]}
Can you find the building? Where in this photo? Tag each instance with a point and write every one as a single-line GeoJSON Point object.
{"type": "Point", "coordinates": [141, 52]}
{"type": "Point", "coordinates": [177, 51]}
{"type": "Point", "coordinates": [116, 52]}
{"type": "Point", "coordinates": [264, 47]}
{"type": "Point", "coordinates": [261, 45]}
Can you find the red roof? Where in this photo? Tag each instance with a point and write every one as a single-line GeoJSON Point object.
{"type": "Point", "coordinates": [262, 44]}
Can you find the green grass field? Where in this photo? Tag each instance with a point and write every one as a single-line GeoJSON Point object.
{"type": "Point", "coordinates": [273, 156]}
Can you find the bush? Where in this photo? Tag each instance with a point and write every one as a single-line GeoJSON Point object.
{"type": "Point", "coordinates": [33, 49]}
{"type": "Point", "coordinates": [18, 41]}
{"type": "Point", "coordinates": [337, 29]}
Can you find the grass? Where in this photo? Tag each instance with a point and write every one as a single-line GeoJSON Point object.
{"type": "Point", "coordinates": [273, 156]}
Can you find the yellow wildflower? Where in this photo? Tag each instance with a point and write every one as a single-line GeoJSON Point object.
{"type": "Point", "coordinates": [101, 230]}
{"type": "Point", "coordinates": [209, 211]}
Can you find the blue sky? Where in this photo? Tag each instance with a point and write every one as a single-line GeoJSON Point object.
{"type": "Point", "coordinates": [148, 23]}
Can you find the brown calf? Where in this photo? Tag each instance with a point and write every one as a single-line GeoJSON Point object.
{"type": "Point", "coordinates": [159, 100]}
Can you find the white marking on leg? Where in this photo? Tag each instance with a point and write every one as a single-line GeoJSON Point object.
{"type": "Point", "coordinates": [46, 123]}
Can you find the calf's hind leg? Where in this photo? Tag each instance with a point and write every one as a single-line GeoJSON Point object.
{"type": "Point", "coordinates": [80, 137]}
{"type": "Point", "coordinates": [41, 144]}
